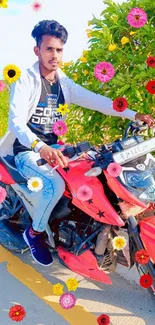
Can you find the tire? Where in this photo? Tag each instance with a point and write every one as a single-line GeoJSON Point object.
{"type": "Point", "coordinates": [142, 269]}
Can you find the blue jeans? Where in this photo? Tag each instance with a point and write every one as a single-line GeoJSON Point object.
{"type": "Point", "coordinates": [53, 186]}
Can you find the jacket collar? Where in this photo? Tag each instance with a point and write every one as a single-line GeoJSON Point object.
{"type": "Point", "coordinates": [36, 71]}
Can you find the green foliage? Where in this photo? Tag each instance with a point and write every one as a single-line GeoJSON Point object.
{"type": "Point", "coordinates": [131, 77]}
{"type": "Point", "coordinates": [4, 105]}
{"type": "Point", "coordinates": [129, 61]}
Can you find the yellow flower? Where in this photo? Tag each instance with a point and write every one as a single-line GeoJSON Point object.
{"type": "Point", "coordinates": [72, 284]}
{"type": "Point", "coordinates": [63, 109]}
{"type": "Point", "coordinates": [89, 32]}
{"type": "Point", "coordinates": [85, 72]}
{"type": "Point", "coordinates": [132, 33]}
{"type": "Point", "coordinates": [67, 64]}
{"type": "Point", "coordinates": [89, 35]}
{"type": "Point", "coordinates": [83, 59]}
{"type": "Point", "coordinates": [119, 242]}
{"type": "Point", "coordinates": [84, 53]}
{"type": "Point", "coordinates": [11, 73]}
{"type": "Point", "coordinates": [58, 289]}
{"type": "Point", "coordinates": [124, 40]}
{"type": "Point", "coordinates": [60, 64]}
{"type": "Point", "coordinates": [75, 76]}
{"type": "Point", "coordinates": [112, 47]}
{"type": "Point", "coordinates": [3, 4]}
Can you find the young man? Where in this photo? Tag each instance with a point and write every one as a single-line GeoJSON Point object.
{"type": "Point", "coordinates": [33, 110]}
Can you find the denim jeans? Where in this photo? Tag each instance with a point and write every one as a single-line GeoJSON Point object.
{"type": "Point", "coordinates": [52, 191]}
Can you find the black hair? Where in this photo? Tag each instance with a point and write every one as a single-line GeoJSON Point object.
{"type": "Point", "coordinates": [49, 27]}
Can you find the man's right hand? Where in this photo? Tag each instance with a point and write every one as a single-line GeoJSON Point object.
{"type": "Point", "coordinates": [54, 156]}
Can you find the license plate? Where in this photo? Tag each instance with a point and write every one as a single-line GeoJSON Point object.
{"type": "Point", "coordinates": [134, 152]}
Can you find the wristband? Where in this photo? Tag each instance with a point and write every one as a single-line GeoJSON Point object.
{"type": "Point", "coordinates": [34, 143]}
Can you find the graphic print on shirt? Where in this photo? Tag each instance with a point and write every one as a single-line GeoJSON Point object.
{"type": "Point", "coordinates": [46, 114]}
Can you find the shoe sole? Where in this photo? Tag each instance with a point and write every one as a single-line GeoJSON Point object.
{"type": "Point", "coordinates": [25, 238]}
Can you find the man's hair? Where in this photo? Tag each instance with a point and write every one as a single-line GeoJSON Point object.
{"type": "Point", "coordinates": [49, 27]}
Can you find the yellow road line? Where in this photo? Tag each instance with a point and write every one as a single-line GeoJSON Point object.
{"type": "Point", "coordinates": [42, 288]}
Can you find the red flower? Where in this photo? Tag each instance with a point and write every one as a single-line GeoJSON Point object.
{"type": "Point", "coordinates": [146, 281]}
{"type": "Point", "coordinates": [36, 6]}
{"type": "Point", "coordinates": [103, 320]}
{"type": "Point", "coordinates": [120, 104]}
{"type": "Point", "coordinates": [151, 87]}
{"type": "Point", "coordinates": [151, 61]}
{"type": "Point", "coordinates": [142, 256]}
{"type": "Point", "coordinates": [17, 313]}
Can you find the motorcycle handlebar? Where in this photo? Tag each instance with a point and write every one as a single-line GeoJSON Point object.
{"type": "Point", "coordinates": [134, 127]}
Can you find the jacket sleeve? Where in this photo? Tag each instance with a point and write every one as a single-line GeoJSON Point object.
{"type": "Point", "coordinates": [88, 99]}
{"type": "Point", "coordinates": [18, 111]}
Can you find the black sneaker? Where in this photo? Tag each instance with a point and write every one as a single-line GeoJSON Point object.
{"type": "Point", "coordinates": [38, 249]}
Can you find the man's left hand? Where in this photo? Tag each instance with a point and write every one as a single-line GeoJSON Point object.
{"type": "Point", "coordinates": [148, 119]}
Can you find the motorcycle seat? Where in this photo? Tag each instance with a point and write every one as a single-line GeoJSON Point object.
{"type": "Point", "coordinates": [9, 163]}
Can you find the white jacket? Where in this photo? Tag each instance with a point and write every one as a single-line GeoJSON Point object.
{"type": "Point", "coordinates": [25, 95]}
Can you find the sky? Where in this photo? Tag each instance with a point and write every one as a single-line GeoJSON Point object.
{"type": "Point", "coordinates": [18, 20]}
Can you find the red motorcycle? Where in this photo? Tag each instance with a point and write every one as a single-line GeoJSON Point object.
{"type": "Point", "coordinates": [89, 215]}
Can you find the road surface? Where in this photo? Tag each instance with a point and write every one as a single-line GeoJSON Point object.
{"type": "Point", "coordinates": [24, 282]}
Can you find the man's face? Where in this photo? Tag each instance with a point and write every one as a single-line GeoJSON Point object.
{"type": "Point", "coordinates": [50, 52]}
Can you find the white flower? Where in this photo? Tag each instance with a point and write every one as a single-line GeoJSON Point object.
{"type": "Point", "coordinates": [35, 184]}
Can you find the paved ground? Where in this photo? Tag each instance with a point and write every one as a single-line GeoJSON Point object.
{"type": "Point", "coordinates": [24, 282]}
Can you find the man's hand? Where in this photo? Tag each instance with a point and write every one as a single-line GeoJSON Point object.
{"type": "Point", "coordinates": [148, 119]}
{"type": "Point", "coordinates": [52, 155]}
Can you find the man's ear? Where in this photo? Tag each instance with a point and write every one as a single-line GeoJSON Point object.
{"type": "Point", "coordinates": [36, 50]}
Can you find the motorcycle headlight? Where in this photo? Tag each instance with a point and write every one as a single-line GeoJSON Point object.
{"type": "Point", "coordinates": [139, 179]}
{"type": "Point", "coordinates": [141, 184]}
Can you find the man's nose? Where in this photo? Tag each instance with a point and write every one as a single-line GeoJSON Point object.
{"type": "Point", "coordinates": [55, 54]}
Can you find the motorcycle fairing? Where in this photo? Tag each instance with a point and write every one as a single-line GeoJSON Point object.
{"type": "Point", "coordinates": [98, 206]}
{"type": "Point", "coordinates": [5, 176]}
{"type": "Point", "coordinates": [122, 192]}
{"type": "Point", "coordinates": [84, 264]}
{"type": "Point", "coordinates": [147, 235]}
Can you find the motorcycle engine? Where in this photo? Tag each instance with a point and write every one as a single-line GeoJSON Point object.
{"type": "Point", "coordinates": [67, 233]}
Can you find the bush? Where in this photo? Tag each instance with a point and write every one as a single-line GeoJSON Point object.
{"type": "Point", "coordinates": [113, 40]}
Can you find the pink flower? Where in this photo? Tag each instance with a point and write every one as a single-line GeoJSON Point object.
{"type": "Point", "coordinates": [137, 17]}
{"type": "Point", "coordinates": [104, 71]}
{"type": "Point", "coordinates": [84, 193]}
{"type": "Point", "coordinates": [2, 85]}
{"type": "Point", "coordinates": [59, 128]}
{"type": "Point", "coordinates": [67, 300]}
{"type": "Point", "coordinates": [36, 6]}
{"type": "Point", "coordinates": [2, 194]}
{"type": "Point", "coordinates": [114, 169]}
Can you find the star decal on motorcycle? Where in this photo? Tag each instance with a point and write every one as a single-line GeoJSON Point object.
{"type": "Point", "coordinates": [100, 214]}
{"type": "Point", "coordinates": [90, 201]}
